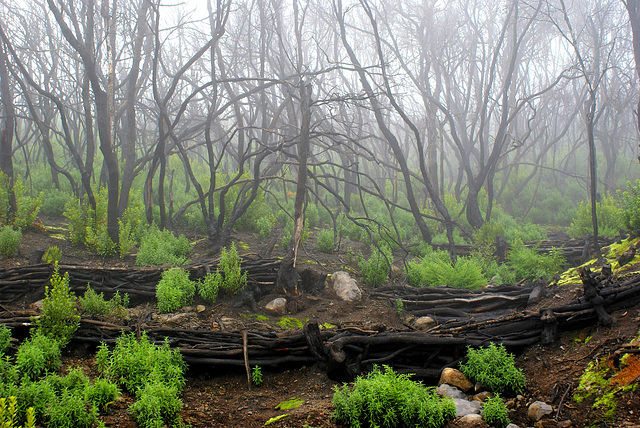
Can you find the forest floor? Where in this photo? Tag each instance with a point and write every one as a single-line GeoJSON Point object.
{"type": "Point", "coordinates": [220, 397]}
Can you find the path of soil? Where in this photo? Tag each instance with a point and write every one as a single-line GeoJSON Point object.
{"type": "Point", "coordinates": [215, 397]}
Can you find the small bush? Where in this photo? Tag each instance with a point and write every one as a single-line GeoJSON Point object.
{"type": "Point", "coordinates": [174, 290]}
{"type": "Point", "coordinates": [630, 200]}
{"type": "Point", "coordinates": [436, 269]}
{"type": "Point", "coordinates": [387, 399]}
{"type": "Point", "coordinates": [375, 270]}
{"type": "Point", "coordinates": [256, 375]}
{"type": "Point", "coordinates": [37, 356]}
{"type": "Point", "coordinates": [494, 412]}
{"type": "Point", "coordinates": [54, 201]}
{"type": "Point", "coordinates": [59, 318]}
{"type": "Point", "coordinates": [88, 226]}
{"type": "Point", "coordinates": [495, 368]}
{"type": "Point", "coordinates": [162, 247]}
{"type": "Point", "coordinates": [234, 280]}
{"type": "Point", "coordinates": [209, 286]}
{"type": "Point", "coordinates": [133, 363]}
{"type": "Point", "coordinates": [71, 410]}
{"type": "Point", "coordinates": [325, 242]}
{"type": "Point", "coordinates": [264, 225]}
{"type": "Point", "coordinates": [529, 263]}
{"type": "Point", "coordinates": [9, 241]}
{"type": "Point", "coordinates": [101, 393]}
{"type": "Point", "coordinates": [95, 304]}
{"type": "Point", "coordinates": [158, 405]}
{"type": "Point", "coordinates": [311, 215]}
{"type": "Point", "coordinates": [52, 255]}
{"type": "Point", "coordinates": [35, 395]}
{"type": "Point", "coordinates": [610, 219]}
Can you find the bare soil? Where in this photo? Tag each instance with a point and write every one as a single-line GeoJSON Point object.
{"type": "Point", "coordinates": [219, 397]}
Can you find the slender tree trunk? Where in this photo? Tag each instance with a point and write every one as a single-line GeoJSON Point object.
{"type": "Point", "coordinates": [7, 127]}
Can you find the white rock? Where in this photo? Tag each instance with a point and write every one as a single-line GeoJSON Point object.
{"type": "Point", "coordinates": [512, 426]}
{"type": "Point", "coordinates": [423, 323]}
{"type": "Point", "coordinates": [448, 391]}
{"type": "Point", "coordinates": [345, 287]}
{"type": "Point", "coordinates": [469, 421]}
{"type": "Point", "coordinates": [277, 306]}
{"type": "Point", "coordinates": [465, 407]}
{"type": "Point", "coordinates": [538, 409]}
{"type": "Point", "coordinates": [455, 378]}
{"type": "Point", "coordinates": [200, 308]}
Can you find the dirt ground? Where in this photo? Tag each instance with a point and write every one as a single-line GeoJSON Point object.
{"type": "Point", "coordinates": [219, 397]}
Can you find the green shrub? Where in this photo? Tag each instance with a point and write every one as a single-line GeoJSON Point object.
{"type": "Point", "coordinates": [131, 227]}
{"type": "Point", "coordinates": [54, 201]}
{"type": "Point", "coordinates": [174, 290]}
{"type": "Point", "coordinates": [494, 412]}
{"type": "Point", "coordinates": [387, 399]}
{"type": "Point", "coordinates": [630, 200]}
{"type": "Point", "coordinates": [311, 214]}
{"type": "Point", "coordinates": [209, 286]}
{"type": "Point", "coordinates": [102, 393]}
{"type": "Point", "coordinates": [325, 242]}
{"type": "Point", "coordinates": [52, 255]}
{"type": "Point", "coordinates": [88, 226]}
{"type": "Point", "coordinates": [95, 304]}
{"type": "Point", "coordinates": [5, 339]}
{"type": "Point", "coordinates": [71, 410]}
{"type": "Point", "coordinates": [529, 263]}
{"type": "Point", "coordinates": [158, 405]}
{"type": "Point", "coordinates": [375, 270]}
{"type": "Point", "coordinates": [133, 363]}
{"type": "Point", "coordinates": [610, 219]}
{"type": "Point", "coordinates": [38, 355]}
{"type": "Point", "coordinates": [75, 380]}
{"type": "Point", "coordinates": [35, 395]}
{"type": "Point", "coordinates": [256, 375]}
{"type": "Point", "coordinates": [162, 247]}
{"type": "Point", "coordinates": [27, 207]}
{"type": "Point", "coordinates": [264, 225]}
{"type": "Point", "coordinates": [59, 318]}
{"type": "Point", "coordinates": [233, 279]}
{"type": "Point", "coordinates": [436, 269]}
{"type": "Point", "coordinates": [494, 368]}
{"type": "Point", "coordinates": [9, 241]}
{"type": "Point", "coordinates": [9, 414]}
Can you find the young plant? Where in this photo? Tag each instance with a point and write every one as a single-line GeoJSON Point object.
{"type": "Point", "coordinates": [234, 280]}
{"type": "Point", "coordinates": [375, 270]}
{"type": "Point", "coordinates": [9, 241]}
{"type": "Point", "coordinates": [95, 304]}
{"type": "Point", "coordinates": [529, 263]}
{"type": "Point", "coordinates": [157, 405]}
{"type": "Point", "coordinates": [385, 398]}
{"type": "Point", "coordinates": [494, 368]}
{"type": "Point", "coordinates": [59, 319]}
{"type": "Point", "coordinates": [5, 339]}
{"type": "Point", "coordinates": [52, 255]}
{"type": "Point", "coordinates": [102, 393]}
{"type": "Point", "coordinates": [494, 412]}
{"type": "Point", "coordinates": [174, 290]}
{"type": "Point", "coordinates": [256, 375]}
{"type": "Point", "coordinates": [630, 200]}
{"type": "Point", "coordinates": [162, 247]}
{"type": "Point", "coordinates": [37, 356]}
{"type": "Point", "coordinates": [325, 243]}
{"type": "Point", "coordinates": [209, 286]}
{"type": "Point", "coordinates": [436, 269]}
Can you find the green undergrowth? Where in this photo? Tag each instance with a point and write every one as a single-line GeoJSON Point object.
{"type": "Point", "coordinates": [386, 399]}
{"type": "Point", "coordinates": [610, 254]}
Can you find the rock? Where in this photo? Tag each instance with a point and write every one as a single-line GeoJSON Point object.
{"type": "Point", "coordinates": [538, 409]}
{"type": "Point", "coordinates": [465, 407]}
{"type": "Point", "coordinates": [277, 306]}
{"type": "Point", "coordinates": [448, 391]}
{"type": "Point", "coordinates": [345, 287]}
{"type": "Point", "coordinates": [565, 424]}
{"type": "Point", "coordinates": [423, 323]}
{"type": "Point", "coordinates": [471, 420]}
{"type": "Point", "coordinates": [37, 305]}
{"type": "Point", "coordinates": [481, 396]}
{"type": "Point", "coordinates": [455, 378]}
{"type": "Point", "coordinates": [200, 308]}
{"type": "Point", "coordinates": [512, 426]}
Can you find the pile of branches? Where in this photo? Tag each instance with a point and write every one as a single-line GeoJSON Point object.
{"type": "Point", "coordinates": [346, 352]}
{"type": "Point", "coordinates": [21, 285]}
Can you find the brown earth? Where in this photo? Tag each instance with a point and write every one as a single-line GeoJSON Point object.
{"type": "Point", "coordinates": [219, 397]}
